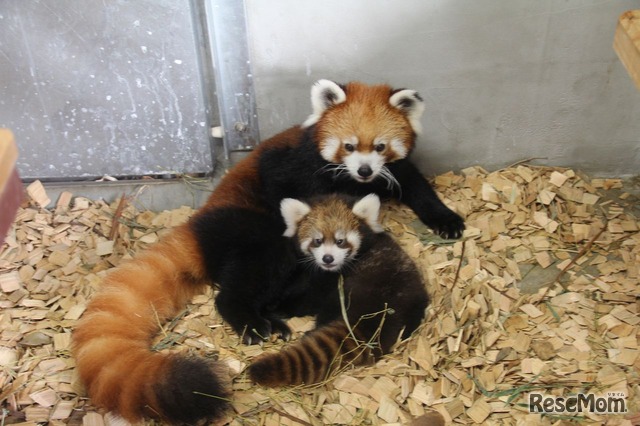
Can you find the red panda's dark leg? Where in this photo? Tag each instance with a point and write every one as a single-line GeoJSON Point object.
{"type": "Point", "coordinates": [418, 194]}
{"type": "Point", "coordinates": [246, 255]}
{"type": "Point", "coordinates": [279, 327]}
{"type": "Point", "coordinates": [243, 317]}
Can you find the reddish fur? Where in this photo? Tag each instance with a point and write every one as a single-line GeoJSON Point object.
{"type": "Point", "coordinates": [327, 218]}
{"type": "Point", "coordinates": [111, 343]}
{"type": "Point", "coordinates": [288, 366]}
{"type": "Point", "coordinates": [241, 185]}
{"type": "Point", "coordinates": [360, 115]}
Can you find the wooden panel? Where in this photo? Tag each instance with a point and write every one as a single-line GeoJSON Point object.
{"type": "Point", "coordinates": [8, 156]}
{"type": "Point", "coordinates": [10, 186]}
{"type": "Point", "coordinates": [626, 43]}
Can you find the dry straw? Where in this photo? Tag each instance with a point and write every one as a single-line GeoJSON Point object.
{"type": "Point", "coordinates": [539, 296]}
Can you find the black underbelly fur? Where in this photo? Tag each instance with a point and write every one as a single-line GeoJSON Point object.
{"type": "Point", "coordinates": [248, 258]}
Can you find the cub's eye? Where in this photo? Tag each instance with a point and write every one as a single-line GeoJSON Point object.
{"type": "Point", "coordinates": [380, 147]}
{"type": "Point", "coordinates": [340, 243]}
{"type": "Point", "coordinates": [316, 242]}
{"type": "Point", "coordinates": [349, 147]}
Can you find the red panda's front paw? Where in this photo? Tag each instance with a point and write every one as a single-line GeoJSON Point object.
{"type": "Point", "coordinates": [257, 333]}
{"type": "Point", "coordinates": [446, 224]}
{"type": "Point", "coordinates": [262, 331]}
{"type": "Point", "coordinates": [280, 328]}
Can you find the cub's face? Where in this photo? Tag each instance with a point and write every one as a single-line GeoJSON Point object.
{"type": "Point", "coordinates": [361, 128]}
{"type": "Point", "coordinates": [328, 231]}
{"type": "Point", "coordinates": [330, 250]}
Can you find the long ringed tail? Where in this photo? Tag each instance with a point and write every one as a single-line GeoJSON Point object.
{"type": "Point", "coordinates": [319, 353]}
{"type": "Point", "coordinates": [112, 342]}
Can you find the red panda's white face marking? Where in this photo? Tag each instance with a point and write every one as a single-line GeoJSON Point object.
{"type": "Point", "coordinates": [329, 231]}
{"type": "Point", "coordinates": [361, 128]}
{"type": "Point", "coordinates": [363, 163]}
{"type": "Point", "coordinates": [331, 252]}
{"type": "Point", "coordinates": [329, 148]}
{"type": "Point", "coordinates": [364, 166]}
{"type": "Point", "coordinates": [399, 148]}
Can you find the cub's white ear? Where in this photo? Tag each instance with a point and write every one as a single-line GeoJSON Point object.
{"type": "Point", "coordinates": [368, 209]}
{"type": "Point", "coordinates": [293, 211]}
{"type": "Point", "coordinates": [411, 104]}
{"type": "Point", "coordinates": [324, 94]}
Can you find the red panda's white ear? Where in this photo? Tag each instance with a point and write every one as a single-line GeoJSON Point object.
{"type": "Point", "coordinates": [324, 94]}
{"type": "Point", "coordinates": [368, 208]}
{"type": "Point", "coordinates": [293, 211]}
{"type": "Point", "coordinates": [411, 104]}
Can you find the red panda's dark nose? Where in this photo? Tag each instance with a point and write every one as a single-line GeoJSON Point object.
{"type": "Point", "coordinates": [328, 259]}
{"type": "Point", "coordinates": [365, 171]}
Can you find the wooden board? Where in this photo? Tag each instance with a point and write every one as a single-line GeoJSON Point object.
{"type": "Point", "coordinates": [8, 156]}
{"type": "Point", "coordinates": [10, 185]}
{"type": "Point", "coordinates": [626, 43]}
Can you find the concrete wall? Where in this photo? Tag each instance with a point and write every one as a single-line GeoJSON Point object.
{"type": "Point", "coordinates": [92, 87]}
{"type": "Point", "coordinates": [502, 80]}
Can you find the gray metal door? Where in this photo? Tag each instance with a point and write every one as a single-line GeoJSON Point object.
{"type": "Point", "coordinates": [95, 87]}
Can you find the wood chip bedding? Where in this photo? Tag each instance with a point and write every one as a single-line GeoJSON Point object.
{"type": "Point", "coordinates": [539, 296]}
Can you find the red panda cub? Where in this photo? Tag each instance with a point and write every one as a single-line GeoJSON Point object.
{"type": "Point", "coordinates": [383, 291]}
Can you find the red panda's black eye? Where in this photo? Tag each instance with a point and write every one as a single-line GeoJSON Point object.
{"type": "Point", "coordinates": [317, 242]}
{"type": "Point", "coordinates": [349, 147]}
{"type": "Point", "coordinates": [340, 243]}
{"type": "Point", "coordinates": [380, 147]}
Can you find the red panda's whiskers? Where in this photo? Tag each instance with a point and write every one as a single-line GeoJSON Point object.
{"type": "Point", "coordinates": [329, 167]}
{"type": "Point", "coordinates": [340, 169]}
{"type": "Point", "coordinates": [348, 265]}
{"type": "Point", "coordinates": [337, 169]}
{"type": "Point", "coordinates": [307, 260]}
{"type": "Point", "coordinates": [392, 182]}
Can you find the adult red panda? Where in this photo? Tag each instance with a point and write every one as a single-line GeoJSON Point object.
{"type": "Point", "coordinates": [383, 291]}
{"type": "Point", "coordinates": [356, 141]}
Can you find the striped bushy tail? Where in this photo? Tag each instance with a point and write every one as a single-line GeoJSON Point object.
{"type": "Point", "coordinates": [112, 342]}
{"type": "Point", "coordinates": [313, 358]}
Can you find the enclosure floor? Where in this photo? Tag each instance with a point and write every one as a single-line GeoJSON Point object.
{"type": "Point", "coordinates": [539, 296]}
